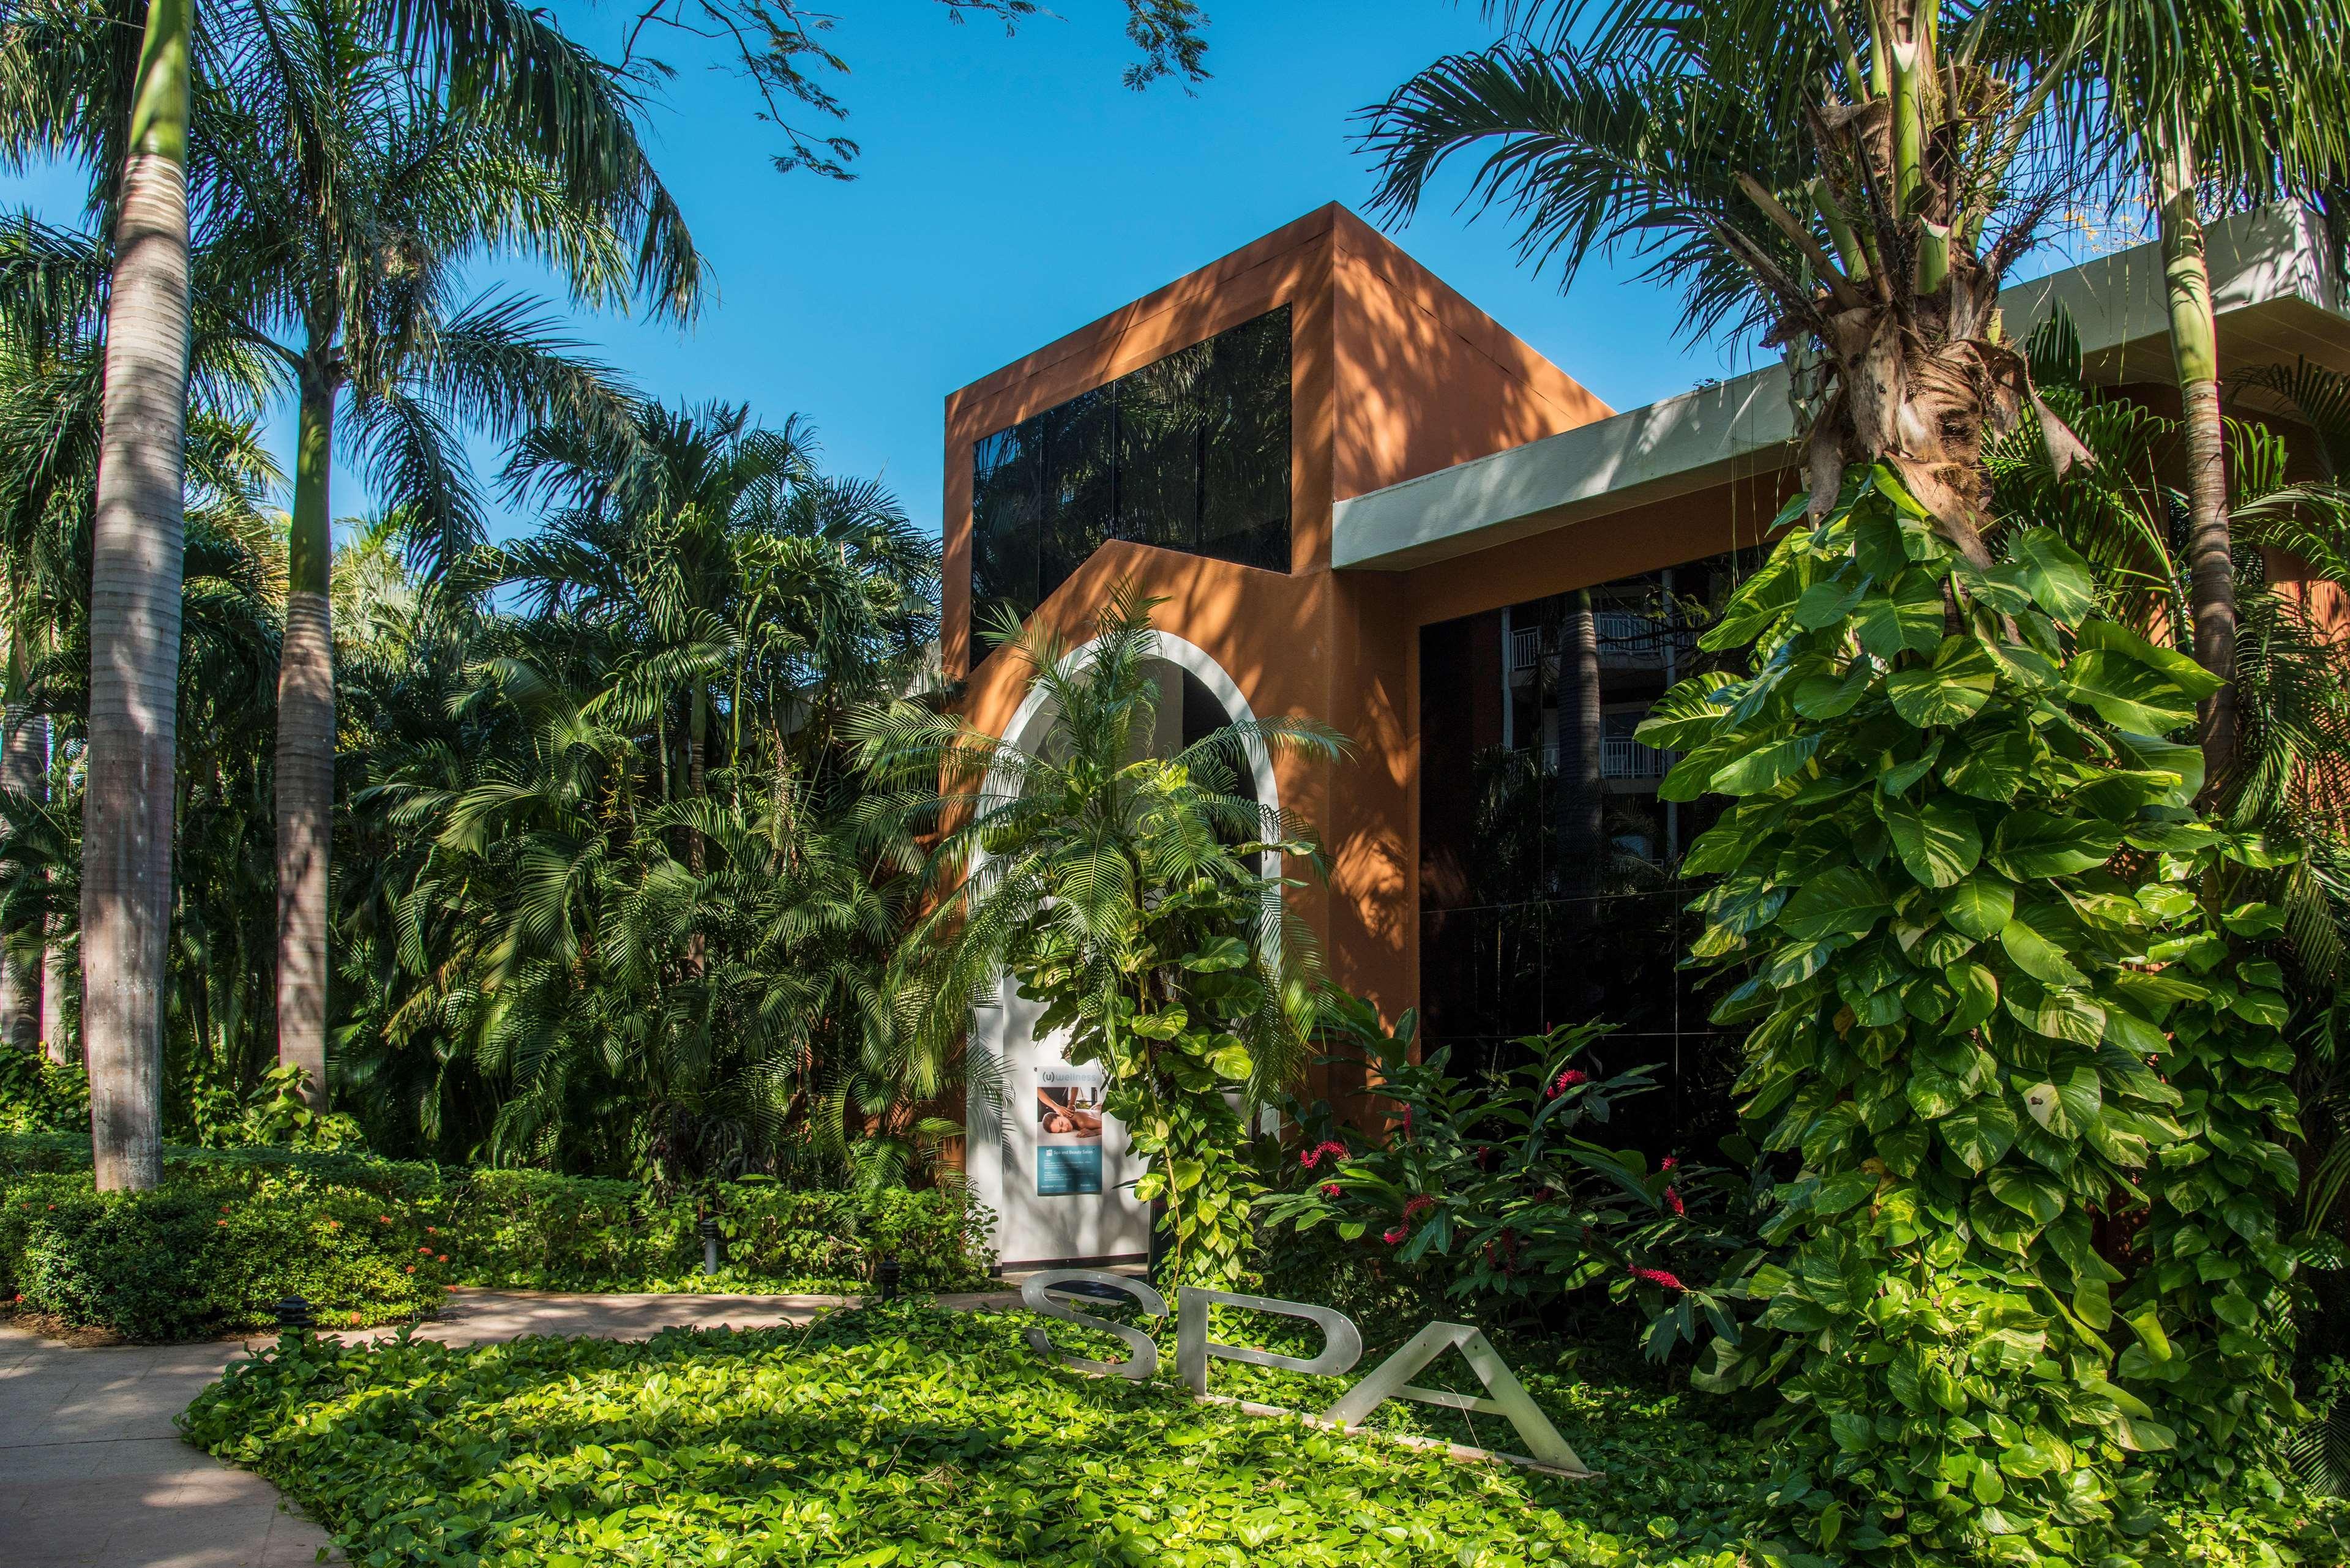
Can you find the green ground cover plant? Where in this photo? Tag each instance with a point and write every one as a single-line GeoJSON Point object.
{"type": "Point", "coordinates": [907, 1438]}
{"type": "Point", "coordinates": [230, 1231]}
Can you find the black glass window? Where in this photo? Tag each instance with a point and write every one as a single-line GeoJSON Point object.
{"type": "Point", "coordinates": [1190, 453]}
{"type": "Point", "coordinates": [1550, 883]}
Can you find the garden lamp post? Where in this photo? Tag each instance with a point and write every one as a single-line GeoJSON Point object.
{"type": "Point", "coordinates": [886, 1276]}
{"type": "Point", "coordinates": [709, 1243]}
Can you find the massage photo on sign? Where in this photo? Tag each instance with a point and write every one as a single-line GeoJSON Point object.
{"type": "Point", "coordinates": [1068, 1130]}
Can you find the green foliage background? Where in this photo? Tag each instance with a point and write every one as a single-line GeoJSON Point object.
{"type": "Point", "coordinates": [2011, 1027]}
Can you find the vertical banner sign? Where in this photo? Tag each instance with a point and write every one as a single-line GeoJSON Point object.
{"type": "Point", "coordinates": [1068, 1129]}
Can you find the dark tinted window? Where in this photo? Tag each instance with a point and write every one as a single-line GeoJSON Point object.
{"type": "Point", "coordinates": [1190, 453]}
{"type": "Point", "coordinates": [1551, 889]}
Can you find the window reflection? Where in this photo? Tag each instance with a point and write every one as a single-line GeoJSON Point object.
{"type": "Point", "coordinates": [1190, 453]}
{"type": "Point", "coordinates": [1550, 885]}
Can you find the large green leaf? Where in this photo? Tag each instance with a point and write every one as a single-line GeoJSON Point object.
{"type": "Point", "coordinates": [2126, 693]}
{"type": "Point", "coordinates": [1979, 1132]}
{"type": "Point", "coordinates": [1688, 715]}
{"type": "Point", "coordinates": [1908, 621]}
{"type": "Point", "coordinates": [1846, 901]}
{"type": "Point", "coordinates": [1993, 769]}
{"type": "Point", "coordinates": [1950, 690]}
{"type": "Point", "coordinates": [2038, 957]}
{"type": "Point", "coordinates": [2194, 682]}
{"type": "Point", "coordinates": [1766, 766]}
{"type": "Point", "coordinates": [1979, 905]}
{"type": "Point", "coordinates": [2060, 581]}
{"type": "Point", "coordinates": [2031, 844]}
{"type": "Point", "coordinates": [1937, 845]}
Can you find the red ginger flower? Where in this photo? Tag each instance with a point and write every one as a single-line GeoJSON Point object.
{"type": "Point", "coordinates": [1567, 1081]}
{"type": "Point", "coordinates": [1313, 1156]}
{"type": "Point", "coordinates": [1329, 1190]}
{"type": "Point", "coordinates": [1657, 1277]}
{"type": "Point", "coordinates": [1394, 1236]}
{"type": "Point", "coordinates": [1670, 1161]}
{"type": "Point", "coordinates": [1673, 1201]}
{"type": "Point", "coordinates": [1418, 1205]}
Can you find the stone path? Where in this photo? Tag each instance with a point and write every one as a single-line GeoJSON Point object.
{"type": "Point", "coordinates": [93, 1474]}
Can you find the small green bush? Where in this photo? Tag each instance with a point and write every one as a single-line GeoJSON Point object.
{"type": "Point", "coordinates": [199, 1254]}
{"type": "Point", "coordinates": [37, 1095]}
{"type": "Point", "coordinates": [232, 1231]}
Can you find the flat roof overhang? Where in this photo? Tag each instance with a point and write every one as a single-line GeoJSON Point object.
{"type": "Point", "coordinates": [2273, 289]}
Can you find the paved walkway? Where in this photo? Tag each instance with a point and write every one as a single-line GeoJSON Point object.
{"type": "Point", "coordinates": [93, 1474]}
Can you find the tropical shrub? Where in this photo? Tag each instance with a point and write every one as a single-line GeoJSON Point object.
{"type": "Point", "coordinates": [238, 1229]}
{"type": "Point", "coordinates": [1127, 892]}
{"type": "Point", "coordinates": [37, 1095]}
{"type": "Point", "coordinates": [1502, 1188]}
{"type": "Point", "coordinates": [200, 1254]}
{"type": "Point", "coordinates": [2012, 1032]}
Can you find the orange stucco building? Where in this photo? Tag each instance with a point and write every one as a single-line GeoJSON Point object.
{"type": "Point", "coordinates": [1410, 567]}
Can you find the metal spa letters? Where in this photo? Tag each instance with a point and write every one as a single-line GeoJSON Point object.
{"type": "Point", "coordinates": [1342, 1347]}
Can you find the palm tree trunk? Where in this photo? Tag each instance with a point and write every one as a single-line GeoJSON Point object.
{"type": "Point", "coordinates": [60, 1050]}
{"type": "Point", "coordinates": [2210, 551]}
{"type": "Point", "coordinates": [306, 745]}
{"type": "Point", "coordinates": [134, 624]}
{"type": "Point", "coordinates": [23, 769]}
{"type": "Point", "coordinates": [1579, 816]}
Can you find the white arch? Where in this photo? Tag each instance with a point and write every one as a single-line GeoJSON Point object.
{"type": "Point", "coordinates": [1030, 717]}
{"type": "Point", "coordinates": [998, 1147]}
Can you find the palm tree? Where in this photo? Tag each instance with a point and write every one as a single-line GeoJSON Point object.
{"type": "Point", "coordinates": [2238, 105]}
{"type": "Point", "coordinates": [65, 88]}
{"type": "Point", "coordinates": [635, 951]}
{"type": "Point", "coordinates": [354, 201]}
{"type": "Point", "coordinates": [1126, 890]}
{"type": "Point", "coordinates": [1855, 188]}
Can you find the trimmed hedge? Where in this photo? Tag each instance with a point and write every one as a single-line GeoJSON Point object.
{"type": "Point", "coordinates": [367, 1240]}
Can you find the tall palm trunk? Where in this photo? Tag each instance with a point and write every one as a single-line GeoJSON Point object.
{"type": "Point", "coordinates": [134, 623]}
{"type": "Point", "coordinates": [59, 982]}
{"type": "Point", "coordinates": [306, 742]}
{"type": "Point", "coordinates": [1579, 814]}
{"type": "Point", "coordinates": [23, 769]}
{"type": "Point", "coordinates": [2195, 356]}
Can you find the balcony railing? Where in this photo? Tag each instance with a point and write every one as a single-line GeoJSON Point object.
{"type": "Point", "coordinates": [1620, 757]}
{"type": "Point", "coordinates": [1624, 638]}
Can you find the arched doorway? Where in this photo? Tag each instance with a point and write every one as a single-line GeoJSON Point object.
{"type": "Point", "coordinates": [1057, 1173]}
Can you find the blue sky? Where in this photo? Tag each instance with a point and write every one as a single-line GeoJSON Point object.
{"type": "Point", "coordinates": [1012, 189]}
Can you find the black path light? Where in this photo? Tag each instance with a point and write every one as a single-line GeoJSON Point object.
{"type": "Point", "coordinates": [293, 1315]}
{"type": "Point", "coordinates": [708, 1243]}
{"type": "Point", "coordinates": [887, 1275]}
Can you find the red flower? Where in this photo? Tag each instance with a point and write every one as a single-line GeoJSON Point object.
{"type": "Point", "coordinates": [220, 1222]}
{"type": "Point", "coordinates": [1313, 1156]}
{"type": "Point", "coordinates": [1673, 1202]}
{"type": "Point", "coordinates": [443, 1258]}
{"type": "Point", "coordinates": [383, 1218]}
{"type": "Point", "coordinates": [1394, 1236]}
{"type": "Point", "coordinates": [411, 1268]}
{"type": "Point", "coordinates": [1329, 1190]}
{"type": "Point", "coordinates": [1418, 1205]}
{"type": "Point", "coordinates": [424, 1249]}
{"type": "Point", "coordinates": [1670, 1161]}
{"type": "Point", "coordinates": [1567, 1081]}
{"type": "Point", "coordinates": [1657, 1277]}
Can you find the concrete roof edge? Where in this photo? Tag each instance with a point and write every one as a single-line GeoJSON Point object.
{"type": "Point", "coordinates": [2275, 254]}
